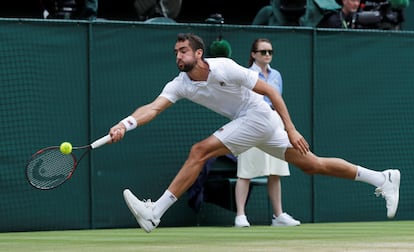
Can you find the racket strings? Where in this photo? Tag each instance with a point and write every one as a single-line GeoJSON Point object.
{"type": "Point", "coordinates": [50, 168]}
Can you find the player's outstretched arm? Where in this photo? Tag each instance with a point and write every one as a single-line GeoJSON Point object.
{"type": "Point", "coordinates": [141, 116]}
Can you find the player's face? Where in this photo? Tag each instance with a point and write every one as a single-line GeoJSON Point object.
{"type": "Point", "coordinates": [184, 56]}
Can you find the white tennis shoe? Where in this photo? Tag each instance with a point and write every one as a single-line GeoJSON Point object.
{"type": "Point", "coordinates": [390, 191]}
{"type": "Point", "coordinates": [284, 220]}
{"type": "Point", "coordinates": [241, 221]}
{"type": "Point", "coordinates": [142, 211]}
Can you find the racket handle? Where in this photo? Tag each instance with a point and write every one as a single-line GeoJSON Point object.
{"type": "Point", "coordinates": [101, 141]}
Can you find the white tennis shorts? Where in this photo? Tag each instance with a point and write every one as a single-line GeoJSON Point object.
{"type": "Point", "coordinates": [258, 128]}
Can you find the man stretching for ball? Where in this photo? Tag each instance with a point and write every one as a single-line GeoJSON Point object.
{"type": "Point", "coordinates": [233, 91]}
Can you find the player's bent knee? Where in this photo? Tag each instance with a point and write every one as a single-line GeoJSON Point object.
{"type": "Point", "coordinates": [197, 151]}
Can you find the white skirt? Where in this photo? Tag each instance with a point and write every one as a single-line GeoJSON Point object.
{"type": "Point", "coordinates": [256, 163]}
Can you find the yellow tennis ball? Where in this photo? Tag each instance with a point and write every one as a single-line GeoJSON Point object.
{"type": "Point", "coordinates": [66, 148]}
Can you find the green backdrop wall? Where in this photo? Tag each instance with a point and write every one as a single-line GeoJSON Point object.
{"type": "Point", "coordinates": [349, 93]}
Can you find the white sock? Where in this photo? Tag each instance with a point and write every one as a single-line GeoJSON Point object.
{"type": "Point", "coordinates": [375, 178]}
{"type": "Point", "coordinates": [163, 203]}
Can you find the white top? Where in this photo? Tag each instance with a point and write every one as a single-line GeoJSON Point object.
{"type": "Point", "coordinates": [227, 91]}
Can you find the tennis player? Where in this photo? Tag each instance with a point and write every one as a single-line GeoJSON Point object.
{"type": "Point", "coordinates": [235, 92]}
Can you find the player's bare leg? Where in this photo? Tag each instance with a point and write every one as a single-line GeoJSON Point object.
{"type": "Point", "coordinates": [199, 154]}
{"type": "Point", "coordinates": [312, 164]}
{"type": "Point", "coordinates": [387, 182]}
{"type": "Point", "coordinates": [148, 213]}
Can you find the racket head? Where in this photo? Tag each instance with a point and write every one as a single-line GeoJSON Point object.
{"type": "Point", "coordinates": [48, 168]}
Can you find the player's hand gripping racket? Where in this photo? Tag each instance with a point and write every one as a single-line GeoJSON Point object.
{"type": "Point", "coordinates": [48, 168]}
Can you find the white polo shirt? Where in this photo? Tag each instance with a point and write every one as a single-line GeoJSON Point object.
{"type": "Point", "coordinates": [227, 90]}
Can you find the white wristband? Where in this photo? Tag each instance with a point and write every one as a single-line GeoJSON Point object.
{"type": "Point", "coordinates": [130, 123]}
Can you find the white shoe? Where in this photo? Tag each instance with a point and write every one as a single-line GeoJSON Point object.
{"type": "Point", "coordinates": [390, 191]}
{"type": "Point", "coordinates": [241, 221]}
{"type": "Point", "coordinates": [284, 220]}
{"type": "Point", "coordinates": [142, 210]}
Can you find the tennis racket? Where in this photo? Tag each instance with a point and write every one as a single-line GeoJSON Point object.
{"type": "Point", "coordinates": [49, 168]}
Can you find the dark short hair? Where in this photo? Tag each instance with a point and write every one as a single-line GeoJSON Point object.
{"type": "Point", "coordinates": [195, 41]}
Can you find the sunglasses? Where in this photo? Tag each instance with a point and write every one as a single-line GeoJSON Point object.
{"type": "Point", "coordinates": [264, 52]}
